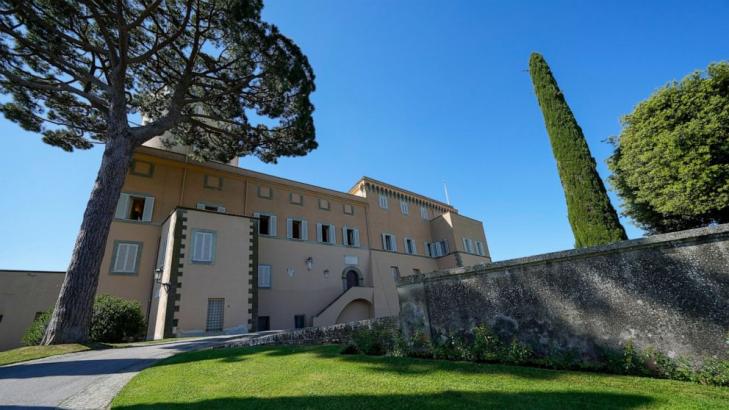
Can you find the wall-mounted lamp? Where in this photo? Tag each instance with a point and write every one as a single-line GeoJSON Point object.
{"type": "Point", "coordinates": [158, 279]}
{"type": "Point", "coordinates": [326, 273]}
{"type": "Point", "coordinates": [309, 262]}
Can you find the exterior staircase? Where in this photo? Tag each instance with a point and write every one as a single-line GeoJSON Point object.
{"type": "Point", "coordinates": [328, 315]}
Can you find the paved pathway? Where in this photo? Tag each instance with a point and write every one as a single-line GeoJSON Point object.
{"type": "Point", "coordinates": [86, 380]}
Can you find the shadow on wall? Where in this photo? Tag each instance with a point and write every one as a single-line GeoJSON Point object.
{"type": "Point", "coordinates": [448, 399]}
{"type": "Point", "coordinates": [673, 297]}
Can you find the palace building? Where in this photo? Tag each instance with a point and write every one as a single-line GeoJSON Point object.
{"type": "Point", "coordinates": [214, 248]}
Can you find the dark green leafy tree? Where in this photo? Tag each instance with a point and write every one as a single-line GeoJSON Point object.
{"type": "Point", "coordinates": [592, 216]}
{"type": "Point", "coordinates": [118, 73]}
{"type": "Point", "coordinates": [671, 160]}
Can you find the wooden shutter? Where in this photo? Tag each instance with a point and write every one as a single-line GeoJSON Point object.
{"type": "Point", "coordinates": [415, 247]}
{"type": "Point", "coordinates": [289, 228]}
{"type": "Point", "coordinates": [356, 238]}
{"type": "Point", "coordinates": [394, 243]}
{"type": "Point", "coordinates": [384, 243]}
{"type": "Point", "coordinates": [272, 225]}
{"type": "Point", "coordinates": [318, 233]}
{"type": "Point", "coordinates": [344, 236]}
{"type": "Point", "coordinates": [427, 249]}
{"type": "Point", "coordinates": [304, 230]}
{"type": "Point", "coordinates": [148, 209]}
{"type": "Point", "coordinates": [332, 235]}
{"type": "Point", "coordinates": [122, 207]}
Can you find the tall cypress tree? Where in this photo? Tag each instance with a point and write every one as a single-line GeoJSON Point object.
{"type": "Point", "coordinates": [592, 216]}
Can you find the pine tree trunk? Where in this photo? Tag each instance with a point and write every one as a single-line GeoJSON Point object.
{"type": "Point", "coordinates": [72, 314]}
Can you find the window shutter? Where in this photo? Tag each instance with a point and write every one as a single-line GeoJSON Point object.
{"type": "Point", "coordinates": [148, 209]}
{"type": "Point", "coordinates": [258, 215]}
{"type": "Point", "coordinates": [131, 257]}
{"type": "Point", "coordinates": [304, 230]}
{"type": "Point", "coordinates": [122, 206]}
{"type": "Point", "coordinates": [272, 227]}
{"type": "Point", "coordinates": [289, 228]}
{"type": "Point", "coordinates": [415, 248]}
{"type": "Point", "coordinates": [465, 245]}
{"type": "Point", "coordinates": [394, 243]}
{"type": "Point", "coordinates": [344, 236]}
{"type": "Point", "coordinates": [318, 233]}
{"type": "Point", "coordinates": [221, 209]}
{"type": "Point", "coordinates": [121, 256]}
{"type": "Point", "coordinates": [356, 238]}
{"type": "Point", "coordinates": [332, 235]}
{"type": "Point", "coordinates": [405, 243]}
{"type": "Point", "coordinates": [384, 244]}
{"type": "Point", "coordinates": [200, 205]}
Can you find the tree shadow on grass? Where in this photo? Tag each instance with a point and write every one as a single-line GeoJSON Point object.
{"type": "Point", "coordinates": [447, 399]}
{"type": "Point", "coordinates": [397, 365]}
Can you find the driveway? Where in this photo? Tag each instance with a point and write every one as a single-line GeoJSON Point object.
{"type": "Point", "coordinates": [86, 380]}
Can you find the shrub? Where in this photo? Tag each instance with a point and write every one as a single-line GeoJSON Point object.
{"type": "Point", "coordinates": [116, 320]}
{"type": "Point", "coordinates": [453, 347]}
{"type": "Point", "coordinates": [518, 353]}
{"type": "Point", "coordinates": [486, 345]}
{"type": "Point", "coordinates": [34, 334]}
{"type": "Point", "coordinates": [376, 340]}
{"type": "Point", "coordinates": [420, 345]}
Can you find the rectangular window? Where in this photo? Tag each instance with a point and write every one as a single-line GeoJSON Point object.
{"type": "Point", "coordinates": [203, 246]}
{"type": "Point", "coordinates": [388, 242]}
{"type": "Point", "coordinates": [437, 249]}
{"type": "Point", "coordinates": [395, 271]}
{"type": "Point", "coordinates": [479, 248]}
{"type": "Point", "coordinates": [209, 207]}
{"type": "Point", "coordinates": [348, 209]}
{"type": "Point", "coordinates": [266, 223]}
{"type": "Point", "coordinates": [410, 246]}
{"type": "Point", "coordinates": [326, 234]}
{"type": "Point", "coordinates": [297, 229]}
{"type": "Point", "coordinates": [468, 245]}
{"type": "Point", "coordinates": [324, 204]}
{"type": "Point", "coordinates": [404, 208]}
{"type": "Point", "coordinates": [134, 207]}
{"type": "Point", "coordinates": [383, 201]}
{"type": "Point", "coordinates": [126, 257]}
{"type": "Point", "coordinates": [213, 182]}
{"type": "Point", "coordinates": [264, 323]}
{"type": "Point", "coordinates": [424, 212]}
{"type": "Point", "coordinates": [141, 168]}
{"type": "Point", "coordinates": [300, 321]}
{"type": "Point", "coordinates": [265, 192]}
{"type": "Point", "coordinates": [264, 276]}
{"type": "Point", "coordinates": [428, 251]}
{"type": "Point", "coordinates": [296, 199]}
{"type": "Point", "coordinates": [216, 308]}
{"type": "Point", "coordinates": [350, 237]}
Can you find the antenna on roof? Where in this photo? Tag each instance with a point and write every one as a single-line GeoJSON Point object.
{"type": "Point", "coordinates": [445, 188]}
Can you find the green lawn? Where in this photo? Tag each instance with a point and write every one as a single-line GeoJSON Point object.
{"type": "Point", "coordinates": [22, 354]}
{"type": "Point", "coordinates": [317, 377]}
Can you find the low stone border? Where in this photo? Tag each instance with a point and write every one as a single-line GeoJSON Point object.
{"type": "Point", "coordinates": [338, 333]}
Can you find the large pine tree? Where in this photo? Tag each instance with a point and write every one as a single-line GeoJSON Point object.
{"type": "Point", "coordinates": [592, 216]}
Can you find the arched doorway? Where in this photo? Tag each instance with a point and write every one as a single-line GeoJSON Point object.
{"type": "Point", "coordinates": [351, 277]}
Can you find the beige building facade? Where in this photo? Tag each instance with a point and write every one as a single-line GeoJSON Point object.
{"type": "Point", "coordinates": [214, 248]}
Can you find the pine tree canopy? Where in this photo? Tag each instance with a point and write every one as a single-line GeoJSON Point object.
{"type": "Point", "coordinates": [208, 71]}
{"type": "Point", "coordinates": [671, 160]}
{"type": "Point", "coordinates": [592, 216]}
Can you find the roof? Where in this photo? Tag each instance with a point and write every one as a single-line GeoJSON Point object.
{"type": "Point", "coordinates": [366, 179]}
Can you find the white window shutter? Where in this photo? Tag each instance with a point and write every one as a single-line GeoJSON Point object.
{"type": "Point", "coordinates": [405, 243]}
{"type": "Point", "coordinates": [122, 207]}
{"type": "Point", "coordinates": [415, 248]}
{"type": "Point", "coordinates": [332, 235]}
{"type": "Point", "coordinates": [148, 209]}
{"type": "Point", "coordinates": [344, 236]}
{"type": "Point", "coordinates": [131, 259]}
{"type": "Point", "coordinates": [394, 243]}
{"type": "Point", "coordinates": [289, 228]}
{"type": "Point", "coordinates": [384, 244]}
{"type": "Point", "coordinates": [272, 226]}
{"type": "Point", "coordinates": [200, 205]}
{"type": "Point", "coordinates": [304, 230]}
{"type": "Point", "coordinates": [121, 256]}
{"type": "Point", "coordinates": [465, 245]}
{"type": "Point", "coordinates": [318, 233]}
{"type": "Point", "coordinates": [356, 238]}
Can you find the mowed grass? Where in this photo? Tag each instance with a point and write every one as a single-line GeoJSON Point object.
{"type": "Point", "coordinates": [318, 377]}
{"type": "Point", "coordinates": [22, 354]}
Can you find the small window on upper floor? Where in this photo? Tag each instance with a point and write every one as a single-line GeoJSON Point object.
{"type": "Point", "coordinates": [468, 245]}
{"type": "Point", "coordinates": [213, 182]}
{"type": "Point", "coordinates": [210, 207]}
{"type": "Point", "coordinates": [266, 223]}
{"type": "Point", "coordinates": [141, 168]}
{"type": "Point", "coordinates": [265, 192]}
{"type": "Point", "coordinates": [383, 201]}
{"type": "Point", "coordinates": [133, 207]}
{"type": "Point", "coordinates": [424, 213]}
{"type": "Point", "coordinates": [324, 204]}
{"type": "Point", "coordinates": [264, 276]}
{"type": "Point", "coordinates": [296, 199]}
{"type": "Point", "coordinates": [350, 237]}
{"type": "Point", "coordinates": [404, 208]}
{"type": "Point", "coordinates": [326, 233]}
{"type": "Point", "coordinates": [479, 248]}
{"type": "Point", "coordinates": [125, 258]}
{"type": "Point", "coordinates": [348, 209]}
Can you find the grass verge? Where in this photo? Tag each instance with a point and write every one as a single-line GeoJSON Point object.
{"type": "Point", "coordinates": [318, 377]}
{"type": "Point", "coordinates": [22, 354]}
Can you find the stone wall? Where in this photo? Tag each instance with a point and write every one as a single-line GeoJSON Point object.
{"type": "Point", "coordinates": [669, 292]}
{"type": "Point", "coordinates": [338, 333]}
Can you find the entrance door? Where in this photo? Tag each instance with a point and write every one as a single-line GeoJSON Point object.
{"type": "Point", "coordinates": [352, 279]}
{"type": "Point", "coordinates": [215, 315]}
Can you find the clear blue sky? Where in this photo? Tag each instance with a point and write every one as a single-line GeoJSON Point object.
{"type": "Point", "coordinates": [420, 92]}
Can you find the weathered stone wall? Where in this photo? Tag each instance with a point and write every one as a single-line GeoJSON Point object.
{"type": "Point", "coordinates": [669, 292]}
{"type": "Point", "coordinates": [338, 333]}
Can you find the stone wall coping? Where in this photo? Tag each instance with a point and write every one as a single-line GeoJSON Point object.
{"type": "Point", "coordinates": [671, 239]}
